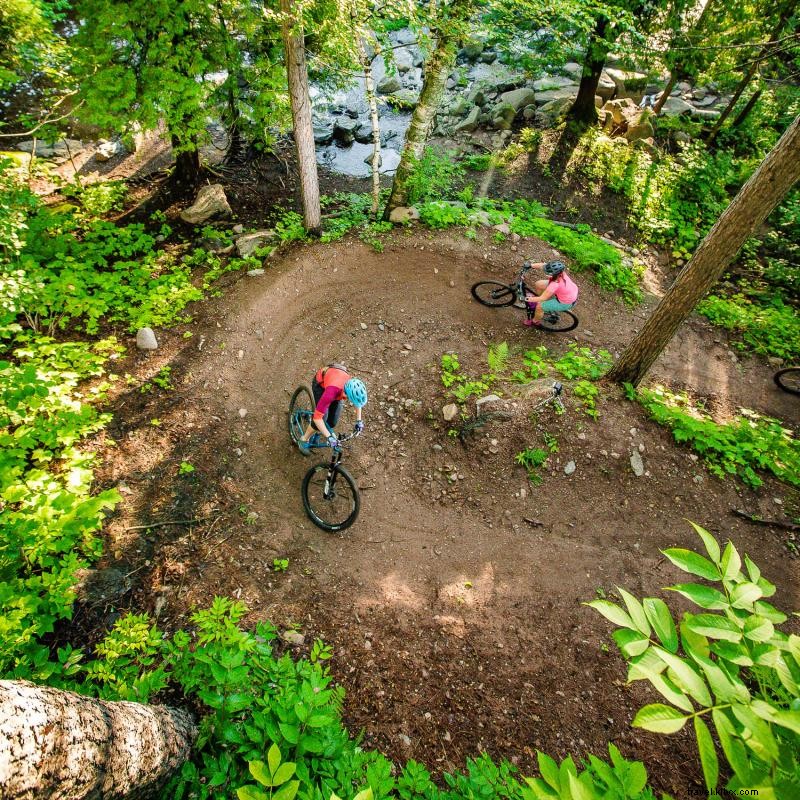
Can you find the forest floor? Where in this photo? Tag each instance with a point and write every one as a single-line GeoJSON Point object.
{"type": "Point", "coordinates": [457, 626]}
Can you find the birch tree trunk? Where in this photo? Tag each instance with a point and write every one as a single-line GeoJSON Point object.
{"type": "Point", "coordinates": [300, 99]}
{"type": "Point", "coordinates": [752, 205]}
{"type": "Point", "coordinates": [64, 746]}
{"type": "Point", "coordinates": [372, 99]}
{"type": "Point", "coordinates": [437, 68]}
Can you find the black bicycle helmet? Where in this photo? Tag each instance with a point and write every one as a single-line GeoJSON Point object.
{"type": "Point", "coordinates": [553, 268]}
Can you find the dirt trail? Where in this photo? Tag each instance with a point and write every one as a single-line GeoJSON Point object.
{"type": "Point", "coordinates": [457, 626]}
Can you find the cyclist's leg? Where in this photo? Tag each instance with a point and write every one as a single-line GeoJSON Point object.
{"type": "Point", "coordinates": [317, 391]}
{"type": "Point", "coordinates": [334, 412]}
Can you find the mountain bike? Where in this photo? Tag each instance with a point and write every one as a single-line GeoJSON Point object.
{"type": "Point", "coordinates": [788, 379]}
{"type": "Point", "coordinates": [331, 498]}
{"type": "Point", "coordinates": [495, 295]}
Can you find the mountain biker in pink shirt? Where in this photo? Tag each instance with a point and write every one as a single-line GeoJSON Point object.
{"type": "Point", "coordinates": [558, 293]}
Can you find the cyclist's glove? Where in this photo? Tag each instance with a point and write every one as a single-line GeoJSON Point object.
{"type": "Point", "coordinates": [333, 441]}
{"type": "Point", "coordinates": [359, 426]}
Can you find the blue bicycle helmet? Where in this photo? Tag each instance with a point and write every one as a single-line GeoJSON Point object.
{"type": "Point", "coordinates": [356, 392]}
{"type": "Point", "coordinates": [553, 268]}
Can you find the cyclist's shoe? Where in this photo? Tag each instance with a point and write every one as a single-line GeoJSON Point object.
{"type": "Point", "coordinates": [531, 323]}
{"type": "Point", "coordinates": [304, 447]}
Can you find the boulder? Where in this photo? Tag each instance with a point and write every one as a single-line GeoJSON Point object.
{"type": "Point", "coordinates": [246, 245]}
{"type": "Point", "coordinates": [550, 113]}
{"type": "Point", "coordinates": [63, 148]}
{"type": "Point", "coordinates": [567, 92]}
{"type": "Point", "coordinates": [470, 122]}
{"type": "Point", "coordinates": [460, 107]}
{"type": "Point", "coordinates": [20, 160]}
{"type": "Point", "coordinates": [404, 98]}
{"type": "Point", "coordinates": [648, 145]}
{"type": "Point", "coordinates": [529, 112]}
{"type": "Point", "coordinates": [344, 130]}
{"type": "Point", "coordinates": [323, 132]}
{"type": "Point", "coordinates": [681, 136]}
{"type": "Point", "coordinates": [488, 57]}
{"type": "Point", "coordinates": [623, 111]}
{"type": "Point", "coordinates": [363, 133]}
{"type": "Point", "coordinates": [146, 339]}
{"type": "Point", "coordinates": [210, 202]}
{"type": "Point", "coordinates": [706, 101]}
{"type": "Point", "coordinates": [675, 106]}
{"type": "Point", "coordinates": [471, 51]}
{"type": "Point", "coordinates": [106, 150]}
{"type": "Point", "coordinates": [642, 130]}
{"type": "Point", "coordinates": [518, 98]}
{"type": "Point", "coordinates": [503, 115]}
{"type": "Point", "coordinates": [606, 87]}
{"type": "Point", "coordinates": [574, 70]}
{"type": "Point", "coordinates": [389, 84]}
{"type": "Point", "coordinates": [403, 59]}
{"type": "Point", "coordinates": [476, 96]}
{"type": "Point", "coordinates": [390, 159]}
{"type": "Point", "coordinates": [626, 81]}
{"type": "Point", "coordinates": [403, 214]}
{"type": "Point", "coordinates": [450, 412]}
{"type": "Point", "coordinates": [550, 82]}
{"type": "Point", "coordinates": [479, 217]}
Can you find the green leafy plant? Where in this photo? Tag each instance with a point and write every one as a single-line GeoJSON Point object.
{"type": "Point", "coordinates": [535, 365]}
{"type": "Point", "coordinates": [531, 458]}
{"type": "Point", "coordinates": [587, 393]}
{"type": "Point", "coordinates": [433, 176]}
{"type": "Point", "coordinates": [185, 468]}
{"type": "Point", "coordinates": [744, 446]}
{"type": "Point", "coordinates": [280, 564]}
{"type": "Point", "coordinates": [728, 666]}
{"type": "Point", "coordinates": [583, 362]}
{"type": "Point", "coordinates": [275, 775]}
{"type": "Point", "coordinates": [450, 368]}
{"type": "Point", "coordinates": [497, 358]}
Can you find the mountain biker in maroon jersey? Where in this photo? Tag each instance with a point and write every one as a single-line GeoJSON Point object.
{"type": "Point", "coordinates": [558, 293]}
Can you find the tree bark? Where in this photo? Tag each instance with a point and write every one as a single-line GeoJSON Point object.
{"type": "Point", "coordinates": [300, 99]}
{"type": "Point", "coordinates": [186, 174]}
{"type": "Point", "coordinates": [751, 206]}
{"type": "Point", "coordinates": [750, 105]}
{"type": "Point", "coordinates": [763, 54]}
{"type": "Point", "coordinates": [583, 110]}
{"type": "Point", "coordinates": [673, 79]}
{"type": "Point", "coordinates": [64, 746]}
{"type": "Point", "coordinates": [372, 99]}
{"type": "Point", "coordinates": [437, 69]}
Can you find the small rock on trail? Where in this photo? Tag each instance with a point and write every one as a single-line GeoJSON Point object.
{"type": "Point", "coordinates": [637, 465]}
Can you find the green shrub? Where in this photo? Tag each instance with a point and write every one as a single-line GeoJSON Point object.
{"type": "Point", "coordinates": [433, 176]}
{"type": "Point", "coordinates": [771, 327]}
{"type": "Point", "coordinates": [728, 666]}
{"type": "Point", "coordinates": [583, 362]}
{"type": "Point", "coordinates": [748, 444]}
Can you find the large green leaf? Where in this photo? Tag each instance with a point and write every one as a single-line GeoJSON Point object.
{"type": "Point", "coordinates": [579, 791]}
{"type": "Point", "coordinates": [756, 734]}
{"type": "Point", "coordinates": [667, 689]}
{"type": "Point", "coordinates": [704, 596]}
{"type": "Point", "coordinates": [631, 643]}
{"type": "Point", "coordinates": [251, 793]}
{"type": "Point", "coordinates": [712, 548]}
{"type": "Point", "coordinates": [726, 688]}
{"type": "Point", "coordinates": [613, 613]}
{"type": "Point", "coordinates": [287, 791]}
{"type": "Point", "coordinates": [283, 773]}
{"type": "Point", "coordinates": [660, 618]}
{"type": "Point", "coordinates": [708, 754]}
{"type": "Point", "coordinates": [635, 610]}
{"type": "Point", "coordinates": [258, 769]}
{"type": "Point", "coordinates": [692, 562]}
{"type": "Point", "coordinates": [549, 770]}
{"type": "Point", "coordinates": [273, 758]}
{"type": "Point", "coordinates": [686, 677]}
{"type": "Point", "coordinates": [732, 744]}
{"type": "Point", "coordinates": [731, 562]}
{"type": "Point", "coordinates": [660, 719]}
{"type": "Point", "coordinates": [758, 629]}
{"type": "Point", "coordinates": [713, 627]}
{"type": "Point", "coordinates": [744, 595]}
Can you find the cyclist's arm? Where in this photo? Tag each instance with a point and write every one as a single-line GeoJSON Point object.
{"type": "Point", "coordinates": [545, 295]}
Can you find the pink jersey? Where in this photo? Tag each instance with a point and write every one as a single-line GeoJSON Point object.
{"type": "Point", "coordinates": [563, 288]}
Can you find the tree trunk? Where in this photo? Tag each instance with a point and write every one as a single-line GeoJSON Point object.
{"type": "Point", "coordinates": [745, 112]}
{"type": "Point", "coordinates": [186, 174]}
{"type": "Point", "coordinates": [763, 54]}
{"type": "Point", "coordinates": [297, 77]}
{"type": "Point", "coordinates": [583, 110]}
{"type": "Point", "coordinates": [63, 746]}
{"type": "Point", "coordinates": [437, 68]}
{"type": "Point", "coordinates": [369, 86]}
{"type": "Point", "coordinates": [673, 79]}
{"type": "Point", "coordinates": [751, 206]}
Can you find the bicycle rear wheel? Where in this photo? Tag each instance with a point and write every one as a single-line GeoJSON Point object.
{"type": "Point", "coordinates": [301, 407]}
{"type": "Point", "coordinates": [559, 321]}
{"type": "Point", "coordinates": [494, 294]}
{"type": "Point", "coordinates": [332, 505]}
{"type": "Point", "coordinates": [788, 379]}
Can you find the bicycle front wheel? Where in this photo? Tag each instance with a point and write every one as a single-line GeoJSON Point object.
{"type": "Point", "coordinates": [301, 407]}
{"type": "Point", "coordinates": [330, 497]}
{"type": "Point", "coordinates": [788, 379]}
{"type": "Point", "coordinates": [494, 294]}
{"type": "Point", "coordinates": [559, 322]}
